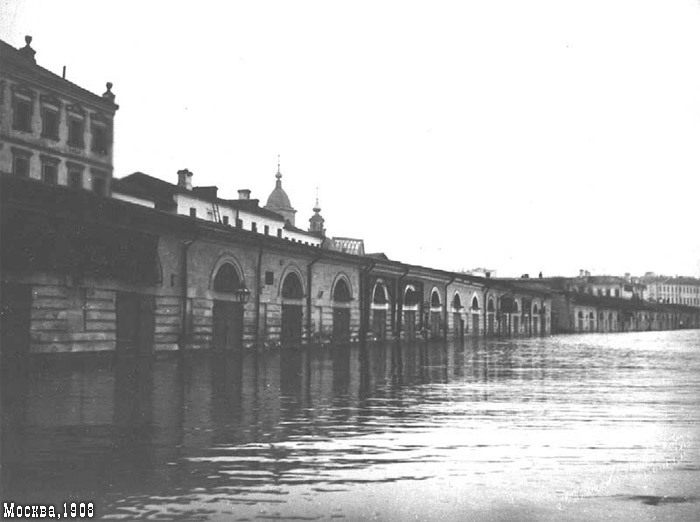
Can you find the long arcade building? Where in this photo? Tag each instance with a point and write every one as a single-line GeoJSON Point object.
{"type": "Point", "coordinates": [90, 263]}
{"type": "Point", "coordinates": [81, 272]}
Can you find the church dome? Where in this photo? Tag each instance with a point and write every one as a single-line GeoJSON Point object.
{"type": "Point", "coordinates": [278, 201]}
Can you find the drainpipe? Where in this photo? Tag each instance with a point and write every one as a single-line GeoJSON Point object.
{"type": "Point", "coordinates": [365, 300]}
{"type": "Point", "coordinates": [258, 289]}
{"type": "Point", "coordinates": [184, 330]}
{"type": "Point", "coordinates": [446, 300]}
{"type": "Point", "coordinates": [399, 301]}
{"type": "Point", "coordinates": [308, 295]}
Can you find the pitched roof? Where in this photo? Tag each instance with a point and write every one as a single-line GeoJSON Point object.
{"type": "Point", "coordinates": [144, 185]}
{"type": "Point", "coordinates": [13, 56]}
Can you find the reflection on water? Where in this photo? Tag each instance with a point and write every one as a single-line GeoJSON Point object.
{"type": "Point", "coordinates": [571, 427]}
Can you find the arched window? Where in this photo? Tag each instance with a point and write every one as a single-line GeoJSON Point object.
{"type": "Point", "coordinates": [456, 302]}
{"type": "Point", "coordinates": [580, 314]}
{"type": "Point", "coordinates": [379, 296]}
{"type": "Point", "coordinates": [515, 307]}
{"type": "Point", "coordinates": [341, 292]}
{"type": "Point", "coordinates": [435, 299]}
{"type": "Point", "coordinates": [291, 288]}
{"type": "Point", "coordinates": [226, 279]}
{"type": "Point", "coordinates": [490, 306]}
{"type": "Point", "coordinates": [410, 297]}
{"type": "Point", "coordinates": [591, 316]}
{"type": "Point", "coordinates": [535, 310]}
{"type": "Point", "coordinates": [475, 303]}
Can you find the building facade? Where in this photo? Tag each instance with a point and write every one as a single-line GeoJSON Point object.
{"type": "Point", "coordinates": [52, 130]}
{"type": "Point", "coordinates": [675, 290]}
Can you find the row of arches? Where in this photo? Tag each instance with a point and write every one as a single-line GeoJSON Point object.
{"type": "Point", "coordinates": [412, 298]}
{"type": "Point", "coordinates": [229, 292]}
{"type": "Point", "coordinates": [227, 281]}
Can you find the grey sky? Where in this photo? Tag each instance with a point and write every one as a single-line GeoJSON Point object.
{"type": "Point", "coordinates": [518, 135]}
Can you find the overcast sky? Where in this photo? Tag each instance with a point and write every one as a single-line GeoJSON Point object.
{"type": "Point", "coordinates": [519, 135]}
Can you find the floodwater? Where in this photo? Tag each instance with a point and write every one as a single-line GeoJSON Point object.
{"type": "Point", "coordinates": [588, 427]}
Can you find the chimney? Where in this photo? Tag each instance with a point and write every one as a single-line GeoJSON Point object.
{"type": "Point", "coordinates": [184, 179]}
{"type": "Point", "coordinates": [244, 194]}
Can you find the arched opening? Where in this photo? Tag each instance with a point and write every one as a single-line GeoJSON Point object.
{"type": "Point", "coordinates": [435, 314]}
{"type": "Point", "coordinates": [291, 287]}
{"type": "Point", "coordinates": [380, 304]}
{"type": "Point", "coordinates": [411, 299]}
{"type": "Point", "coordinates": [475, 315]}
{"type": "Point", "coordinates": [341, 311]}
{"type": "Point", "coordinates": [580, 321]}
{"type": "Point", "coordinates": [228, 310]}
{"type": "Point", "coordinates": [226, 280]}
{"type": "Point", "coordinates": [516, 317]}
{"type": "Point", "coordinates": [379, 295]}
{"type": "Point", "coordinates": [457, 320]}
{"type": "Point", "coordinates": [292, 312]}
{"type": "Point", "coordinates": [341, 292]}
{"type": "Point", "coordinates": [491, 319]}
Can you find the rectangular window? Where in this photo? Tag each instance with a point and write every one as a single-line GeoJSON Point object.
{"type": "Point", "coordinates": [99, 186]}
{"type": "Point", "coordinates": [76, 131]}
{"type": "Point", "coordinates": [210, 215]}
{"type": "Point", "coordinates": [99, 139]}
{"type": "Point", "coordinates": [49, 172]}
{"type": "Point", "coordinates": [193, 212]}
{"type": "Point", "coordinates": [617, 292]}
{"type": "Point", "coordinates": [254, 226]}
{"type": "Point", "coordinates": [239, 223]}
{"type": "Point", "coordinates": [75, 177]}
{"type": "Point", "coordinates": [607, 292]}
{"type": "Point", "coordinates": [267, 230]}
{"type": "Point", "coordinates": [269, 278]}
{"type": "Point", "coordinates": [20, 163]}
{"type": "Point", "coordinates": [279, 232]}
{"type": "Point", "coordinates": [225, 220]}
{"type": "Point", "coordinates": [49, 123]}
{"type": "Point", "coordinates": [22, 119]}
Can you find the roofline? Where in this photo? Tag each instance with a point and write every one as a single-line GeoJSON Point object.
{"type": "Point", "coordinates": [19, 64]}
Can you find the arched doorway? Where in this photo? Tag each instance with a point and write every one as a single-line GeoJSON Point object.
{"type": "Point", "coordinates": [341, 311]}
{"type": "Point", "coordinates": [411, 299]}
{"type": "Point", "coordinates": [292, 309]}
{"type": "Point", "coordinates": [228, 310]}
{"type": "Point", "coordinates": [457, 320]}
{"type": "Point", "coordinates": [475, 315]}
{"type": "Point", "coordinates": [380, 305]}
{"type": "Point", "coordinates": [435, 314]}
{"type": "Point", "coordinates": [491, 310]}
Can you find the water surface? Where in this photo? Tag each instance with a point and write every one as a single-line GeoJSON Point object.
{"type": "Point", "coordinates": [588, 427]}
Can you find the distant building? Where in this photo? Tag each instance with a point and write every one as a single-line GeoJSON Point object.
{"type": "Point", "coordinates": [605, 286]}
{"type": "Point", "coordinates": [674, 290]}
{"type": "Point", "coordinates": [479, 272]}
{"type": "Point", "coordinates": [53, 130]}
